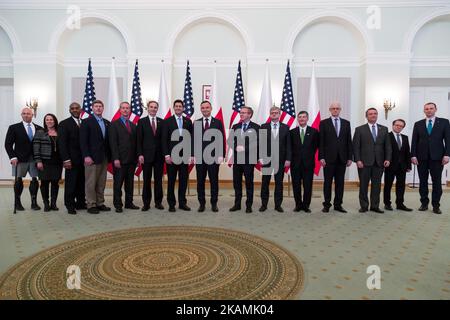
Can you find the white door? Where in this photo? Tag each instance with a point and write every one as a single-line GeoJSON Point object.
{"type": "Point", "coordinates": [418, 97]}
{"type": "Point", "coordinates": [6, 105]}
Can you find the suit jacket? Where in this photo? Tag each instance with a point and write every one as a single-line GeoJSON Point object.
{"type": "Point", "coordinates": [17, 143]}
{"type": "Point", "coordinates": [368, 151]}
{"type": "Point", "coordinates": [332, 148]}
{"type": "Point", "coordinates": [169, 126]}
{"type": "Point", "coordinates": [92, 142]}
{"type": "Point", "coordinates": [149, 144]}
{"type": "Point", "coordinates": [214, 124]}
{"type": "Point", "coordinates": [69, 141]}
{"type": "Point", "coordinates": [303, 154]}
{"type": "Point", "coordinates": [434, 146]}
{"type": "Point", "coordinates": [123, 143]}
{"type": "Point", "coordinates": [401, 158]}
{"type": "Point", "coordinates": [251, 144]}
{"type": "Point", "coordinates": [283, 139]}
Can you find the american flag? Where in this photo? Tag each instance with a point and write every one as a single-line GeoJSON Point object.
{"type": "Point", "coordinates": [238, 103]}
{"type": "Point", "coordinates": [238, 99]}
{"type": "Point", "coordinates": [136, 105]}
{"type": "Point", "coordinates": [287, 102]}
{"type": "Point", "coordinates": [89, 94]}
{"type": "Point", "coordinates": [136, 97]}
{"type": "Point", "coordinates": [188, 96]}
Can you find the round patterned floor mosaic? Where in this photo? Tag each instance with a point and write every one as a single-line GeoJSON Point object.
{"type": "Point", "coordinates": [159, 263]}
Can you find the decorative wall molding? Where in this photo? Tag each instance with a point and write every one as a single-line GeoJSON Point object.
{"type": "Point", "coordinates": [15, 42]}
{"type": "Point", "coordinates": [344, 15]}
{"type": "Point", "coordinates": [438, 61]}
{"type": "Point", "coordinates": [328, 62]}
{"type": "Point", "coordinates": [210, 16]}
{"type": "Point", "coordinates": [37, 58]}
{"type": "Point", "coordinates": [388, 58]}
{"type": "Point", "coordinates": [61, 28]}
{"type": "Point", "coordinates": [420, 22]}
{"type": "Point", "coordinates": [219, 4]}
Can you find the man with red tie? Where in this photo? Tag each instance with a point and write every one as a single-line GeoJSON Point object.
{"type": "Point", "coordinates": [122, 140]}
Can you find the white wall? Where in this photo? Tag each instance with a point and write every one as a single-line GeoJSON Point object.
{"type": "Point", "coordinates": [43, 56]}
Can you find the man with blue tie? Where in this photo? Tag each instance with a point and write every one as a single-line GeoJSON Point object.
{"type": "Point", "coordinates": [179, 128]}
{"type": "Point", "coordinates": [430, 151]}
{"type": "Point", "coordinates": [19, 146]}
{"type": "Point", "coordinates": [94, 144]}
{"type": "Point", "coordinates": [372, 153]}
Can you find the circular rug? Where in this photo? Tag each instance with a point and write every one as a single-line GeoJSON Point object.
{"type": "Point", "coordinates": [158, 263]}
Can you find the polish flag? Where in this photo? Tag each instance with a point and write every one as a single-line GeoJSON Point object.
{"type": "Point", "coordinates": [265, 102]}
{"type": "Point", "coordinates": [112, 109]}
{"type": "Point", "coordinates": [314, 112]}
{"type": "Point", "coordinates": [214, 100]}
{"type": "Point", "coordinates": [163, 99]}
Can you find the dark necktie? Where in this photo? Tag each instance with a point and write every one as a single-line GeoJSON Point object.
{"type": "Point", "coordinates": [127, 124]}
{"type": "Point", "coordinates": [374, 133]}
{"type": "Point", "coordinates": [30, 132]}
{"type": "Point", "coordinates": [206, 124]}
{"type": "Point", "coordinates": [153, 126]}
{"type": "Point", "coordinates": [336, 126]}
{"type": "Point", "coordinates": [399, 142]}
{"type": "Point", "coordinates": [430, 126]}
{"type": "Point", "coordinates": [245, 127]}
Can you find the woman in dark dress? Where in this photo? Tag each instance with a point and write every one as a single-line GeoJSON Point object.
{"type": "Point", "coordinates": [48, 160]}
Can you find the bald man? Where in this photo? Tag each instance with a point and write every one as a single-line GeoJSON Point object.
{"type": "Point", "coordinates": [19, 146]}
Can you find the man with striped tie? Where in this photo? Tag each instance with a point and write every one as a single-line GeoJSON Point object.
{"type": "Point", "coordinates": [430, 151]}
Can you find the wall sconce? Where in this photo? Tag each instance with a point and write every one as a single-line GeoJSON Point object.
{"type": "Point", "coordinates": [388, 106]}
{"type": "Point", "coordinates": [33, 105]}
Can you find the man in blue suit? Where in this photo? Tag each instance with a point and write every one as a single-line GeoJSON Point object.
{"type": "Point", "coordinates": [430, 151]}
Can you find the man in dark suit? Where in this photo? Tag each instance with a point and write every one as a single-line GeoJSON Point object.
{"type": "Point", "coordinates": [19, 146]}
{"type": "Point", "coordinates": [151, 158]}
{"type": "Point", "coordinates": [400, 165]}
{"type": "Point", "coordinates": [243, 138]}
{"type": "Point", "coordinates": [430, 151]}
{"type": "Point", "coordinates": [96, 153]}
{"type": "Point", "coordinates": [372, 152]}
{"type": "Point", "coordinates": [70, 152]}
{"type": "Point", "coordinates": [122, 141]}
{"type": "Point", "coordinates": [305, 142]}
{"type": "Point", "coordinates": [208, 133]}
{"type": "Point", "coordinates": [335, 154]}
{"type": "Point", "coordinates": [276, 133]}
{"type": "Point", "coordinates": [177, 154]}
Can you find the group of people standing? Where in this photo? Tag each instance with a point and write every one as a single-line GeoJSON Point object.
{"type": "Point", "coordinates": [85, 148]}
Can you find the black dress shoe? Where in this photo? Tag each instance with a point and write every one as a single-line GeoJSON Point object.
{"type": "Point", "coordinates": [377, 210]}
{"type": "Point", "coordinates": [279, 209]}
{"type": "Point", "coordinates": [307, 210]}
{"type": "Point", "coordinates": [19, 207]}
{"type": "Point", "coordinates": [145, 208]}
{"type": "Point", "coordinates": [159, 206]}
{"type": "Point", "coordinates": [172, 209]}
{"type": "Point", "coordinates": [404, 208]}
{"type": "Point", "coordinates": [132, 207]}
{"type": "Point", "coordinates": [185, 208]}
{"type": "Point", "coordinates": [362, 210]}
{"type": "Point", "coordinates": [423, 208]}
{"type": "Point", "coordinates": [93, 210]}
{"type": "Point", "coordinates": [388, 207]}
{"type": "Point", "coordinates": [103, 208]}
{"type": "Point", "coordinates": [71, 211]}
{"type": "Point", "coordinates": [263, 208]}
{"type": "Point", "coordinates": [248, 210]}
{"type": "Point", "coordinates": [326, 209]}
{"type": "Point", "coordinates": [119, 210]}
{"type": "Point", "coordinates": [201, 208]}
{"type": "Point", "coordinates": [214, 208]}
{"type": "Point", "coordinates": [46, 207]}
{"type": "Point", "coordinates": [437, 210]}
{"type": "Point", "coordinates": [340, 209]}
{"type": "Point", "coordinates": [235, 208]}
{"type": "Point", "coordinates": [35, 206]}
{"type": "Point", "coordinates": [297, 209]}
